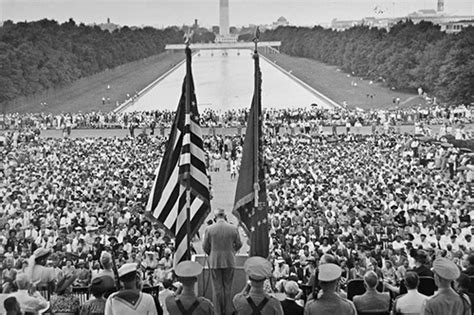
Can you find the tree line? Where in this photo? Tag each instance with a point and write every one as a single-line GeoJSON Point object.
{"type": "Point", "coordinates": [406, 57]}
{"type": "Point", "coordinates": [37, 56]}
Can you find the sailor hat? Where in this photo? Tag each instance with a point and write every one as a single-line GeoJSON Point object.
{"type": "Point", "coordinates": [329, 272]}
{"type": "Point", "coordinates": [126, 269]}
{"type": "Point", "coordinates": [258, 268]}
{"type": "Point", "coordinates": [188, 269]}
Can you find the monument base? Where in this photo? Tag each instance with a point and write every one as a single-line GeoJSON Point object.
{"type": "Point", "coordinates": [204, 283]}
{"type": "Point", "coordinates": [226, 39]}
{"type": "Point", "coordinates": [222, 45]}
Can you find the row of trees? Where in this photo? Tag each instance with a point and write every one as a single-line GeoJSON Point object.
{"type": "Point", "coordinates": [407, 57]}
{"type": "Point", "coordinates": [40, 55]}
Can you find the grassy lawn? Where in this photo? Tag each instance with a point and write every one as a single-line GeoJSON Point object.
{"type": "Point", "coordinates": [86, 94]}
{"type": "Point", "coordinates": [337, 85]}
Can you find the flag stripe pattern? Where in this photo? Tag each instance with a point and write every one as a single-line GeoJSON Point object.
{"type": "Point", "coordinates": [183, 165]}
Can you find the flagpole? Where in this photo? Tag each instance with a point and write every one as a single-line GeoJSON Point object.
{"type": "Point", "coordinates": [256, 187]}
{"type": "Point", "coordinates": [187, 125]}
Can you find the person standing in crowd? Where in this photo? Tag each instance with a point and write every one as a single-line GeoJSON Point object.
{"type": "Point", "coordinates": [168, 290]}
{"type": "Point", "coordinates": [30, 302]}
{"type": "Point", "coordinates": [463, 284]}
{"type": "Point", "coordinates": [470, 268]}
{"type": "Point", "coordinates": [421, 260]}
{"type": "Point", "coordinates": [107, 274]}
{"type": "Point", "coordinates": [289, 305]}
{"type": "Point", "coordinates": [412, 301]}
{"type": "Point", "coordinates": [221, 242]}
{"type": "Point", "coordinates": [233, 168]}
{"type": "Point", "coordinates": [330, 302]}
{"type": "Point", "coordinates": [372, 300]}
{"type": "Point", "coordinates": [12, 306]}
{"type": "Point", "coordinates": [130, 300]}
{"type": "Point", "coordinates": [253, 299]}
{"type": "Point", "coordinates": [187, 302]}
{"type": "Point", "coordinates": [281, 270]}
{"type": "Point", "coordinates": [446, 301]}
{"type": "Point", "coordinates": [96, 305]}
{"type": "Point", "coordinates": [8, 276]}
{"type": "Point", "coordinates": [41, 276]}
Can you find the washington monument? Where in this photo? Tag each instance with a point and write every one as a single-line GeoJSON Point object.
{"type": "Point", "coordinates": [224, 17]}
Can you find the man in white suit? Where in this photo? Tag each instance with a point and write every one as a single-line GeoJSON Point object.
{"type": "Point", "coordinates": [221, 242]}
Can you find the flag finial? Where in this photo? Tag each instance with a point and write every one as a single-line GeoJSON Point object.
{"type": "Point", "coordinates": [187, 37]}
{"type": "Point", "coordinates": [257, 34]}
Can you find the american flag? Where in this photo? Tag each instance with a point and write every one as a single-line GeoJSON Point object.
{"type": "Point", "coordinates": [183, 167]}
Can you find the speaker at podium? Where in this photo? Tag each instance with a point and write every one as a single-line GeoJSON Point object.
{"type": "Point", "coordinates": [204, 283]}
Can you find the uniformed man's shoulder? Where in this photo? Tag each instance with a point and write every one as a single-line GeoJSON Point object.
{"type": "Point", "coordinates": [347, 302]}
{"type": "Point", "coordinates": [220, 226]}
{"type": "Point", "coordinates": [243, 297]}
{"type": "Point", "coordinates": [436, 297]}
{"type": "Point", "coordinates": [113, 295]}
{"type": "Point", "coordinates": [340, 300]}
{"type": "Point", "coordinates": [205, 302]}
{"type": "Point", "coordinates": [128, 295]}
{"type": "Point", "coordinates": [203, 299]}
{"type": "Point", "coordinates": [239, 297]}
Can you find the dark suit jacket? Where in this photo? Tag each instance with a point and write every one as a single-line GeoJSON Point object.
{"type": "Point", "coordinates": [221, 241]}
{"type": "Point", "coordinates": [469, 271]}
{"type": "Point", "coordinates": [424, 271]}
{"type": "Point", "coordinates": [372, 301]}
{"type": "Point", "coordinates": [290, 307]}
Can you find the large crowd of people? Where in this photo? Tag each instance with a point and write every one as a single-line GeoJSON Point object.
{"type": "Point", "coordinates": [209, 117]}
{"type": "Point", "coordinates": [380, 204]}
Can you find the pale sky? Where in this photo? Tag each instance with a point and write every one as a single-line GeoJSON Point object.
{"type": "Point", "coordinates": [161, 13]}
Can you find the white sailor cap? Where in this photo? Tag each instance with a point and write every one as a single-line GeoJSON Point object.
{"type": "Point", "coordinates": [329, 272]}
{"type": "Point", "coordinates": [126, 269]}
{"type": "Point", "coordinates": [188, 269]}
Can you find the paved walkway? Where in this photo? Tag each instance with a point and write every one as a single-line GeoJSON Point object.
{"type": "Point", "coordinates": [223, 192]}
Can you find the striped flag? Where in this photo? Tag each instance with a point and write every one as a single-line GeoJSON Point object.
{"type": "Point", "coordinates": [182, 168]}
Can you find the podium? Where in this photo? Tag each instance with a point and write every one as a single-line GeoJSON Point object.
{"type": "Point", "coordinates": [204, 283]}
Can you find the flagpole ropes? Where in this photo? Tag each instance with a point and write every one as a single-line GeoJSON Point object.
{"type": "Point", "coordinates": [187, 126]}
{"type": "Point", "coordinates": [256, 113]}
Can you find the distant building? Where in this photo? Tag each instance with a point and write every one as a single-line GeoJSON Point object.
{"type": "Point", "coordinates": [340, 25]}
{"type": "Point", "coordinates": [456, 27]}
{"type": "Point", "coordinates": [432, 16]}
{"type": "Point", "coordinates": [422, 13]}
{"type": "Point", "coordinates": [108, 26]}
{"type": "Point", "coordinates": [282, 21]}
{"type": "Point", "coordinates": [437, 18]}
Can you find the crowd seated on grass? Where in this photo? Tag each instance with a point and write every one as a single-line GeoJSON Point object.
{"type": "Point", "coordinates": [382, 203]}
{"type": "Point", "coordinates": [299, 117]}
